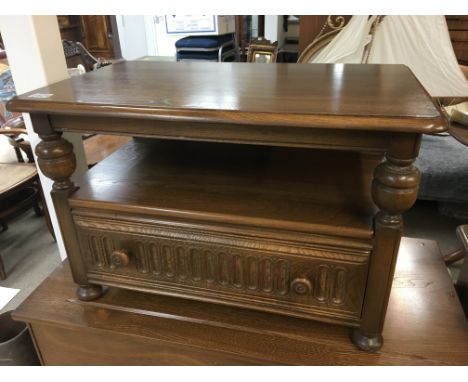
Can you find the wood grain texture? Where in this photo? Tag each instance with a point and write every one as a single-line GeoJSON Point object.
{"type": "Point", "coordinates": [425, 325]}
{"type": "Point", "coordinates": [308, 282]}
{"type": "Point", "coordinates": [136, 351]}
{"type": "Point", "coordinates": [367, 97]}
{"type": "Point", "coordinates": [394, 190]}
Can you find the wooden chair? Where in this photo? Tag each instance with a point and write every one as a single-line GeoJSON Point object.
{"type": "Point", "coordinates": [12, 129]}
{"type": "Point", "coordinates": [76, 54]}
{"type": "Point", "coordinates": [332, 26]}
{"type": "Point", "coordinates": [20, 188]}
{"type": "Point", "coordinates": [316, 46]}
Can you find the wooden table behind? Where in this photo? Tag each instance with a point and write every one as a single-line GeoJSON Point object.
{"type": "Point", "coordinates": [425, 326]}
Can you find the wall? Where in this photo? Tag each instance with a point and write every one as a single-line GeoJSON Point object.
{"type": "Point", "coordinates": [274, 29]}
{"type": "Point", "coordinates": [36, 59]}
{"type": "Point", "coordinates": [132, 36]}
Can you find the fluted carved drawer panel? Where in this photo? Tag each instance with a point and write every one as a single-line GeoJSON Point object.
{"type": "Point", "coordinates": [286, 278]}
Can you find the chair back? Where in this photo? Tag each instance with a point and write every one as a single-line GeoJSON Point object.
{"type": "Point", "coordinates": [76, 54]}
{"type": "Point", "coordinates": [316, 46]}
{"type": "Point", "coordinates": [15, 130]}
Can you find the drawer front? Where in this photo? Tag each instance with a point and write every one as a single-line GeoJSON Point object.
{"type": "Point", "coordinates": [285, 278]}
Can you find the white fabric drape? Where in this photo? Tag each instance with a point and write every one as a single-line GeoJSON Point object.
{"type": "Point", "coordinates": [420, 42]}
{"type": "Point", "coordinates": [348, 46]}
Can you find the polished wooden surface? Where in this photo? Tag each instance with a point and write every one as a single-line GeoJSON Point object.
{"type": "Point", "coordinates": [363, 97]}
{"type": "Point", "coordinates": [425, 326]}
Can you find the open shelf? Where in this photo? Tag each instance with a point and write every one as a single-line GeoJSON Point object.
{"type": "Point", "coordinates": [312, 191]}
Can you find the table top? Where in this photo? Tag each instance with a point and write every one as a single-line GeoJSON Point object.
{"type": "Point", "coordinates": [425, 324]}
{"type": "Point", "coordinates": [347, 96]}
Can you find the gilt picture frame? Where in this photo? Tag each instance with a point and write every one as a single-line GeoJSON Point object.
{"type": "Point", "coordinates": [262, 52]}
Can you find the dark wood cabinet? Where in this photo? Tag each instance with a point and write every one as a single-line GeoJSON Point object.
{"type": "Point", "coordinates": [98, 33]}
{"type": "Point", "coordinates": [70, 28]}
{"type": "Point", "coordinates": [458, 29]}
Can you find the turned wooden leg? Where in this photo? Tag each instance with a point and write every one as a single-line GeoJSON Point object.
{"type": "Point", "coordinates": [57, 161]}
{"type": "Point", "coordinates": [394, 190]}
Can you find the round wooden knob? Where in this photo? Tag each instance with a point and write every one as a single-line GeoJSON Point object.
{"type": "Point", "coordinates": [301, 285]}
{"type": "Point", "coordinates": [119, 258]}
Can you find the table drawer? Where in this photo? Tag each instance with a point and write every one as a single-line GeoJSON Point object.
{"type": "Point", "coordinates": [296, 279]}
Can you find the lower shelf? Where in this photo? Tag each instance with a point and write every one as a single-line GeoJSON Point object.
{"type": "Point", "coordinates": [315, 191]}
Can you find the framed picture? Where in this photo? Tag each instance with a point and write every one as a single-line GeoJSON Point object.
{"type": "Point", "coordinates": [262, 51]}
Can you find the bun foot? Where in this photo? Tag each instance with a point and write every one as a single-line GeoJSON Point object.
{"type": "Point", "coordinates": [89, 292]}
{"type": "Point", "coordinates": [364, 342]}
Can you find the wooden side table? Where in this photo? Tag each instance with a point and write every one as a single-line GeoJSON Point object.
{"type": "Point", "coordinates": [292, 204]}
{"type": "Point", "coordinates": [425, 325]}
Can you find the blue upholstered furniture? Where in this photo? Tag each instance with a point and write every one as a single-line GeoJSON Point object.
{"type": "Point", "coordinates": [443, 162]}
{"type": "Point", "coordinates": [207, 48]}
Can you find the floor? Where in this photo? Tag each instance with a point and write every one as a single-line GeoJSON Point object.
{"type": "Point", "coordinates": [30, 253]}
